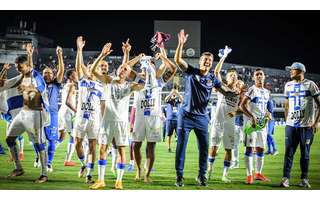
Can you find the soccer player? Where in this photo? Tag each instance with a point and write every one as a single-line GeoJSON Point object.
{"type": "Point", "coordinates": [53, 88]}
{"type": "Point", "coordinates": [256, 105]}
{"type": "Point", "coordinates": [91, 104]}
{"type": "Point", "coordinates": [32, 118]}
{"type": "Point", "coordinates": [67, 112]}
{"type": "Point", "coordinates": [115, 123]}
{"type": "Point", "coordinates": [222, 129]}
{"type": "Point", "coordinates": [301, 119]}
{"type": "Point", "coordinates": [173, 100]}
{"type": "Point", "coordinates": [147, 124]}
{"type": "Point", "coordinates": [193, 112]}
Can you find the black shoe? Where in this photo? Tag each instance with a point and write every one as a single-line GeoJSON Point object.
{"type": "Point", "coordinates": [89, 180]}
{"type": "Point", "coordinates": [202, 180]}
{"type": "Point", "coordinates": [179, 181]}
{"type": "Point", "coordinates": [169, 150]}
{"type": "Point", "coordinates": [41, 179]}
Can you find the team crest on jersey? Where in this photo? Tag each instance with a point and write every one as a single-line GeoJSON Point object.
{"type": "Point", "coordinates": [209, 83]}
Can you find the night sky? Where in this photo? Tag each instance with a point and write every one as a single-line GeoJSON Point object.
{"type": "Point", "coordinates": [262, 38]}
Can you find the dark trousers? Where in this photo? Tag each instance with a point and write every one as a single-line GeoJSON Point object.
{"type": "Point", "coordinates": [186, 123]}
{"type": "Point", "coordinates": [294, 137]}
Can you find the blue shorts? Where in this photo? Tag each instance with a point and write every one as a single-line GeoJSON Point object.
{"type": "Point", "coordinates": [52, 130]}
{"type": "Point", "coordinates": [171, 125]}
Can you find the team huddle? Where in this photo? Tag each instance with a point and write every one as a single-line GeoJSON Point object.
{"type": "Point", "coordinates": [95, 111]}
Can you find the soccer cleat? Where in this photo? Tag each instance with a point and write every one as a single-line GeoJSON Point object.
{"type": "Point", "coordinates": [82, 171]}
{"type": "Point", "coordinates": [304, 183]}
{"type": "Point", "coordinates": [169, 150]}
{"type": "Point", "coordinates": [130, 167]}
{"type": "Point", "coordinates": [21, 156]}
{"type": "Point", "coordinates": [275, 153]}
{"type": "Point", "coordinates": [202, 181]}
{"type": "Point", "coordinates": [225, 179]}
{"type": "Point", "coordinates": [147, 179]}
{"type": "Point", "coordinates": [98, 185]}
{"type": "Point", "coordinates": [285, 182]}
{"type": "Point", "coordinates": [89, 180]}
{"type": "Point", "coordinates": [41, 179]}
{"type": "Point", "coordinates": [49, 168]}
{"type": "Point", "coordinates": [179, 181]}
{"type": "Point", "coordinates": [69, 163]}
{"type": "Point", "coordinates": [37, 163]}
{"type": "Point", "coordinates": [249, 180]}
{"type": "Point", "coordinates": [16, 172]}
{"type": "Point", "coordinates": [261, 177]}
{"type": "Point", "coordinates": [118, 185]}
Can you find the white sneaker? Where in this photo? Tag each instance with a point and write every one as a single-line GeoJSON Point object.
{"type": "Point", "coordinates": [49, 168]}
{"type": "Point", "coordinates": [225, 179]}
{"type": "Point", "coordinates": [285, 182]}
{"type": "Point", "coordinates": [275, 153]}
{"type": "Point", "coordinates": [37, 163]}
{"type": "Point", "coordinates": [304, 183]}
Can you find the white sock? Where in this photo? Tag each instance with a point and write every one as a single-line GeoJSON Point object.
{"type": "Point", "coordinates": [82, 161]}
{"type": "Point", "coordinates": [90, 167]}
{"type": "Point", "coordinates": [226, 167]}
{"type": "Point", "coordinates": [44, 161]}
{"type": "Point", "coordinates": [211, 162]}
{"type": "Point", "coordinates": [120, 171]}
{"type": "Point", "coordinates": [114, 154]}
{"type": "Point", "coordinates": [248, 159]}
{"type": "Point", "coordinates": [259, 162]}
{"type": "Point", "coordinates": [101, 169]}
{"type": "Point", "coordinates": [70, 150]}
{"type": "Point", "coordinates": [131, 162]}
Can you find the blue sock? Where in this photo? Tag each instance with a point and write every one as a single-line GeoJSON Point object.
{"type": "Point", "coordinates": [51, 150]}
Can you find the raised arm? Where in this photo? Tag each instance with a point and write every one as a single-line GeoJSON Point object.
{"type": "Point", "coordinates": [30, 49]}
{"type": "Point", "coordinates": [126, 48]}
{"type": "Point", "coordinates": [135, 60]}
{"type": "Point", "coordinates": [79, 58]}
{"type": "Point", "coordinates": [136, 86]}
{"type": "Point", "coordinates": [94, 68]}
{"type": "Point", "coordinates": [178, 55]}
{"type": "Point", "coordinates": [223, 53]}
{"type": "Point", "coordinates": [60, 72]}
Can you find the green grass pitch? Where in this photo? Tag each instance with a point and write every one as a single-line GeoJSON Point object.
{"type": "Point", "coordinates": [65, 178]}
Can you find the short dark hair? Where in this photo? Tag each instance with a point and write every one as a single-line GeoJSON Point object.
{"type": "Point", "coordinates": [69, 72]}
{"type": "Point", "coordinates": [207, 54]}
{"type": "Point", "coordinates": [21, 59]}
{"type": "Point", "coordinates": [258, 69]}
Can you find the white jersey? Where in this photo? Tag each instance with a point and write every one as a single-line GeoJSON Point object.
{"type": "Point", "coordinates": [64, 95]}
{"type": "Point", "coordinates": [89, 96]}
{"type": "Point", "coordinates": [225, 105]}
{"type": "Point", "coordinates": [117, 102]}
{"type": "Point", "coordinates": [259, 98]}
{"type": "Point", "coordinates": [301, 95]}
{"type": "Point", "coordinates": [148, 102]}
